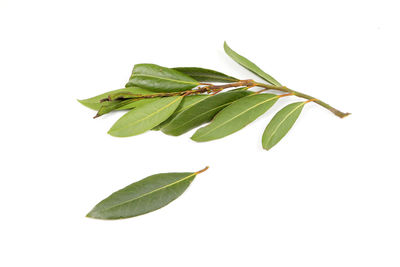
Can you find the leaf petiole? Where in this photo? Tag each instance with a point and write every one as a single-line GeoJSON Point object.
{"type": "Point", "coordinates": [202, 170]}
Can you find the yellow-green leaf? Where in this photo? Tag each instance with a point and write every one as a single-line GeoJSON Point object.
{"type": "Point", "coordinates": [280, 124]}
{"type": "Point", "coordinates": [145, 117]}
{"type": "Point", "coordinates": [235, 117]}
{"type": "Point", "coordinates": [249, 65]}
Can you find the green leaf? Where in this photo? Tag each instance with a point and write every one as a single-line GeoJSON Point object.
{"type": "Point", "coordinates": [249, 65]}
{"type": "Point", "coordinates": [145, 117]}
{"type": "Point", "coordinates": [186, 103]}
{"type": "Point", "coordinates": [202, 112]}
{"type": "Point", "coordinates": [144, 196]}
{"type": "Point", "coordinates": [280, 124]}
{"type": "Point", "coordinates": [160, 79]}
{"type": "Point", "coordinates": [94, 102]}
{"type": "Point", "coordinates": [235, 117]}
{"type": "Point", "coordinates": [206, 75]}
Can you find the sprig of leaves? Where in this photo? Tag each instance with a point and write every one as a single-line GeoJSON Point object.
{"type": "Point", "coordinates": [177, 100]}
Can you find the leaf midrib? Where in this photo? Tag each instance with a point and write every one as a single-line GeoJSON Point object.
{"type": "Point", "coordinates": [246, 110]}
{"type": "Point", "coordinates": [148, 193]}
{"type": "Point", "coordinates": [163, 78]}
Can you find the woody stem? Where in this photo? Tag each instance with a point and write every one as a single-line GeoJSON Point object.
{"type": "Point", "coordinates": [298, 94]}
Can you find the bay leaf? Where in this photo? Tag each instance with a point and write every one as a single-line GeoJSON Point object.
{"type": "Point", "coordinates": [160, 79]}
{"type": "Point", "coordinates": [280, 124]}
{"type": "Point", "coordinates": [235, 117]}
{"type": "Point", "coordinates": [145, 117]}
{"type": "Point", "coordinates": [249, 65]}
{"type": "Point", "coordinates": [202, 112]}
{"type": "Point", "coordinates": [144, 196]}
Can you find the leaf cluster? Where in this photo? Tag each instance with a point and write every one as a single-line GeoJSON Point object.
{"type": "Point", "coordinates": [177, 100]}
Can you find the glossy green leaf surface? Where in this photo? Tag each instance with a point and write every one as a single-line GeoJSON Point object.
{"type": "Point", "coordinates": [94, 102]}
{"type": "Point", "coordinates": [202, 112]}
{"type": "Point", "coordinates": [160, 79]}
{"type": "Point", "coordinates": [145, 117]}
{"type": "Point", "coordinates": [249, 65]}
{"type": "Point", "coordinates": [280, 124]}
{"type": "Point", "coordinates": [235, 117]}
{"type": "Point", "coordinates": [206, 75]}
{"type": "Point", "coordinates": [144, 196]}
{"type": "Point", "coordinates": [186, 103]}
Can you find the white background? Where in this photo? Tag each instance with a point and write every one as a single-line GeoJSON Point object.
{"type": "Point", "coordinates": [327, 195]}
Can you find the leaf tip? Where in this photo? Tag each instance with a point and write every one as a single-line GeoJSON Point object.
{"type": "Point", "coordinates": [82, 101]}
{"type": "Point", "coordinates": [96, 214]}
{"type": "Point", "coordinates": [195, 138]}
{"type": "Point", "coordinates": [91, 215]}
{"type": "Point", "coordinates": [226, 46]}
{"type": "Point", "coordinates": [267, 147]}
{"type": "Point", "coordinates": [116, 133]}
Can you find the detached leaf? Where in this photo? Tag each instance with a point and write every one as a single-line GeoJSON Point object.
{"type": "Point", "coordinates": [144, 196]}
{"type": "Point", "coordinates": [202, 112]}
{"type": "Point", "coordinates": [206, 75]}
{"type": "Point", "coordinates": [160, 79]}
{"type": "Point", "coordinates": [280, 124]}
{"type": "Point", "coordinates": [186, 103]}
{"type": "Point", "coordinates": [94, 102]}
{"type": "Point", "coordinates": [235, 117]}
{"type": "Point", "coordinates": [249, 65]}
{"type": "Point", "coordinates": [145, 117]}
